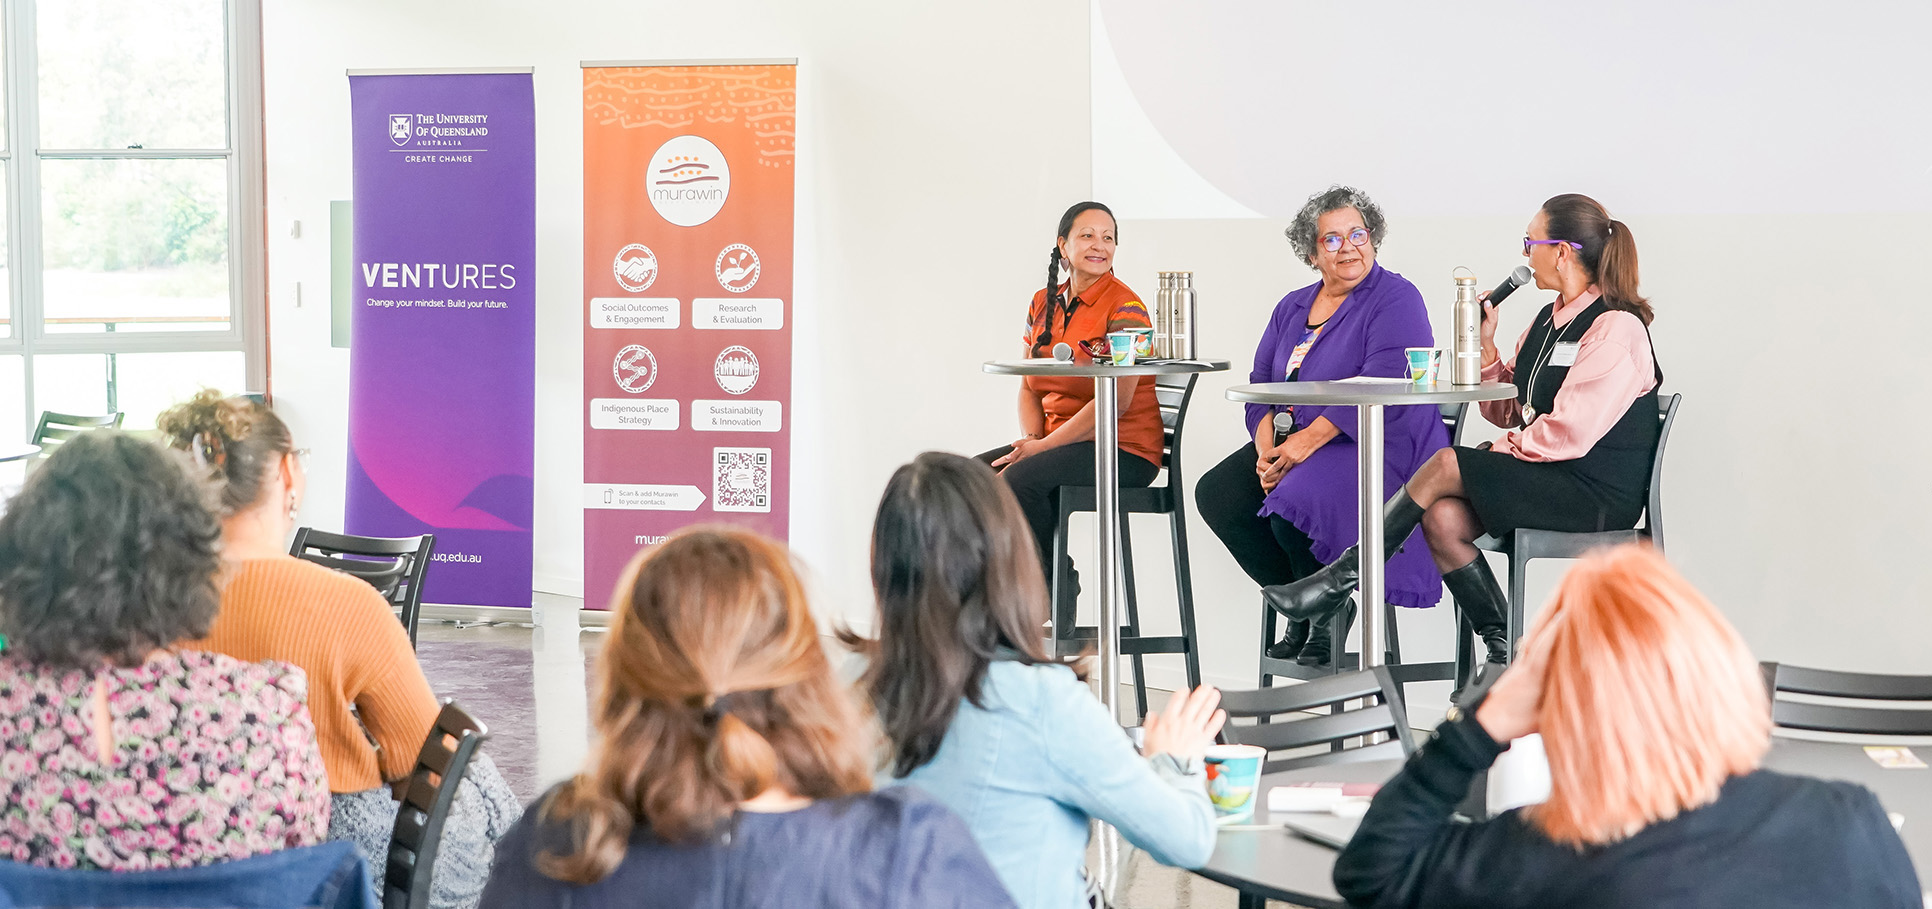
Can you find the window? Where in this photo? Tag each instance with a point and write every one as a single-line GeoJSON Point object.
{"type": "Point", "coordinates": [133, 263]}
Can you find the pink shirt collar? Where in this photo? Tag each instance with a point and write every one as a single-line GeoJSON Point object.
{"type": "Point", "coordinates": [1564, 312]}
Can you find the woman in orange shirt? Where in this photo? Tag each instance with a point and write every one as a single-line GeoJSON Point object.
{"type": "Point", "coordinates": [371, 703]}
{"type": "Point", "coordinates": [1055, 447]}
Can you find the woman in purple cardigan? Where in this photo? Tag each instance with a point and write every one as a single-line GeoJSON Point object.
{"type": "Point", "coordinates": [1285, 504]}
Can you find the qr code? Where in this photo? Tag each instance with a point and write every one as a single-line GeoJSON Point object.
{"type": "Point", "coordinates": [740, 479]}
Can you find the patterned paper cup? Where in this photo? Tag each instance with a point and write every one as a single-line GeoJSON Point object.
{"type": "Point", "coordinates": [1234, 780]}
{"type": "Point", "coordinates": [1120, 344]}
{"type": "Point", "coordinates": [1425, 365]}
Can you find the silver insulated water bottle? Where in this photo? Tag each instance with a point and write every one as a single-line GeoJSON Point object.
{"type": "Point", "coordinates": [1184, 317]}
{"type": "Point", "coordinates": [1164, 318]}
{"type": "Point", "coordinates": [1467, 368]}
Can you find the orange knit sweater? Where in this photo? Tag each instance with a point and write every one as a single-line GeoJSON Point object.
{"type": "Point", "coordinates": [341, 632]}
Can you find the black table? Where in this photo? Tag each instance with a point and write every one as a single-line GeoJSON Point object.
{"type": "Point", "coordinates": [1278, 865]}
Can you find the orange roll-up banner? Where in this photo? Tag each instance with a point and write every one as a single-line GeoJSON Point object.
{"type": "Point", "coordinates": [688, 180]}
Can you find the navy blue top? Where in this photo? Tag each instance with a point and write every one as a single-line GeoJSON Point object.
{"type": "Point", "coordinates": [897, 847]}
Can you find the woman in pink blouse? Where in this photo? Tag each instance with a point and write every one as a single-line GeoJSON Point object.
{"type": "Point", "coordinates": [1582, 428]}
{"type": "Point", "coordinates": [118, 750]}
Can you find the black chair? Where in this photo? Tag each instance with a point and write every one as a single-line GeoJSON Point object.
{"type": "Point", "coordinates": [1340, 660]}
{"type": "Point", "coordinates": [56, 428]}
{"type": "Point", "coordinates": [1172, 393]}
{"type": "Point", "coordinates": [1847, 689]}
{"type": "Point", "coordinates": [1378, 700]}
{"type": "Point", "coordinates": [1523, 546]}
{"type": "Point", "coordinates": [418, 835]}
{"type": "Point", "coordinates": [395, 566]}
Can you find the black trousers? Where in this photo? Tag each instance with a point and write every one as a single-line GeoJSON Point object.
{"type": "Point", "coordinates": [1034, 479]}
{"type": "Point", "coordinates": [1271, 550]}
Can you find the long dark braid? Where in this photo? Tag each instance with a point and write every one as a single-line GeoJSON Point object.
{"type": "Point", "coordinates": [1055, 301]}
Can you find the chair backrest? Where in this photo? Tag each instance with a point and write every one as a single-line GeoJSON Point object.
{"type": "Point", "coordinates": [1839, 692]}
{"type": "Point", "coordinates": [1654, 510]}
{"type": "Point", "coordinates": [56, 428]}
{"type": "Point", "coordinates": [1378, 709]}
{"type": "Point", "coordinates": [329, 876]}
{"type": "Point", "coordinates": [418, 835]}
{"type": "Point", "coordinates": [395, 566]}
{"type": "Point", "coordinates": [1173, 393]}
{"type": "Point", "coordinates": [1453, 416]}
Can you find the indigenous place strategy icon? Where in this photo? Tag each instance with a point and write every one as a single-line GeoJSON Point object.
{"type": "Point", "coordinates": [635, 368]}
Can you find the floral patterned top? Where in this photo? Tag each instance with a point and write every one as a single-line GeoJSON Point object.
{"type": "Point", "coordinates": [213, 759]}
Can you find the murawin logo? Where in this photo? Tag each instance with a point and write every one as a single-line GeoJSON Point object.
{"type": "Point", "coordinates": [688, 180]}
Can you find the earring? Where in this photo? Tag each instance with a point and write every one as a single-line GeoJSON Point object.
{"type": "Point", "coordinates": [291, 506]}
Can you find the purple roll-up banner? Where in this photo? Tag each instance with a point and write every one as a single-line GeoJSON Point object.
{"type": "Point", "coordinates": [442, 355]}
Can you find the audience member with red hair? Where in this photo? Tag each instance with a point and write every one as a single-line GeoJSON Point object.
{"type": "Point", "coordinates": [1655, 720]}
{"type": "Point", "coordinates": [732, 766]}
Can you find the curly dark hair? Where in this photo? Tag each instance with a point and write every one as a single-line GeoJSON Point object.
{"type": "Point", "coordinates": [109, 552]}
{"type": "Point", "coordinates": [1301, 231]}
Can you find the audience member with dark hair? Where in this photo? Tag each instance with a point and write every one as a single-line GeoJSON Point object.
{"type": "Point", "coordinates": [977, 714]}
{"type": "Point", "coordinates": [731, 766]}
{"type": "Point", "coordinates": [372, 706]}
{"type": "Point", "coordinates": [1655, 718]}
{"type": "Point", "coordinates": [119, 749]}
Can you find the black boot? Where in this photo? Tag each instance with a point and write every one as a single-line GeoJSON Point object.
{"type": "Point", "coordinates": [1291, 643]}
{"type": "Point", "coordinates": [1326, 590]}
{"type": "Point", "coordinates": [1322, 636]}
{"type": "Point", "coordinates": [1481, 599]}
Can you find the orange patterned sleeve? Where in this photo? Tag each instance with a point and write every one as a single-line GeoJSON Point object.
{"type": "Point", "coordinates": [1131, 314]}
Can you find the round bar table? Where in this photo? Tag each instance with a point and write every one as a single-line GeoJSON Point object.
{"type": "Point", "coordinates": [1263, 861]}
{"type": "Point", "coordinates": [1106, 470]}
{"type": "Point", "coordinates": [18, 451]}
{"type": "Point", "coordinates": [1370, 396]}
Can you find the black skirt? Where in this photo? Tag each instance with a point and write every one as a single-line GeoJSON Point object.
{"type": "Point", "coordinates": [1507, 493]}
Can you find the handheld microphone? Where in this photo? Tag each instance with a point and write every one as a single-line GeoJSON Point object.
{"type": "Point", "coordinates": [1518, 276]}
{"type": "Point", "coordinates": [1063, 352]}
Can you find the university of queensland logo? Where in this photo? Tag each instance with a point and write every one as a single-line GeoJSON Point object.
{"type": "Point", "coordinates": [399, 128]}
{"type": "Point", "coordinates": [688, 180]}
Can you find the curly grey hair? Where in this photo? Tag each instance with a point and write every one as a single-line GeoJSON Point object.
{"type": "Point", "coordinates": [1301, 232]}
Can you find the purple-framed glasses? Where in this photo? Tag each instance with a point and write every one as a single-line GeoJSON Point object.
{"type": "Point", "coordinates": [1356, 237]}
{"type": "Point", "coordinates": [1527, 243]}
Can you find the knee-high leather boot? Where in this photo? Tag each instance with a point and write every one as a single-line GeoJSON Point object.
{"type": "Point", "coordinates": [1481, 599]}
{"type": "Point", "coordinates": [1325, 591]}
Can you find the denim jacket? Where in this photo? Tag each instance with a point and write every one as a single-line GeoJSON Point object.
{"type": "Point", "coordinates": [328, 876]}
{"type": "Point", "coordinates": [1030, 769]}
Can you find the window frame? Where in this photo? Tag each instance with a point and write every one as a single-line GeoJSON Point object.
{"type": "Point", "coordinates": [247, 218]}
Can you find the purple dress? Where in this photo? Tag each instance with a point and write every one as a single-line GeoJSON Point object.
{"type": "Point", "coordinates": [1366, 336]}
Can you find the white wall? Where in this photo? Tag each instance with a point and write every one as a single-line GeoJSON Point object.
{"type": "Point", "coordinates": [937, 146]}
{"type": "Point", "coordinates": [1782, 226]}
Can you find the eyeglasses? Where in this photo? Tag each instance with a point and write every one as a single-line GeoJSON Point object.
{"type": "Point", "coordinates": [1527, 243]}
{"type": "Point", "coordinates": [302, 457]}
{"type": "Point", "coordinates": [1357, 237]}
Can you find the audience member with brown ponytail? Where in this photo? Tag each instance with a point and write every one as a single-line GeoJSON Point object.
{"type": "Point", "coordinates": [732, 767]}
{"type": "Point", "coordinates": [371, 704]}
{"type": "Point", "coordinates": [1582, 427]}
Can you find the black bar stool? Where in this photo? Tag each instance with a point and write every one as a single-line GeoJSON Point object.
{"type": "Point", "coordinates": [1524, 545]}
